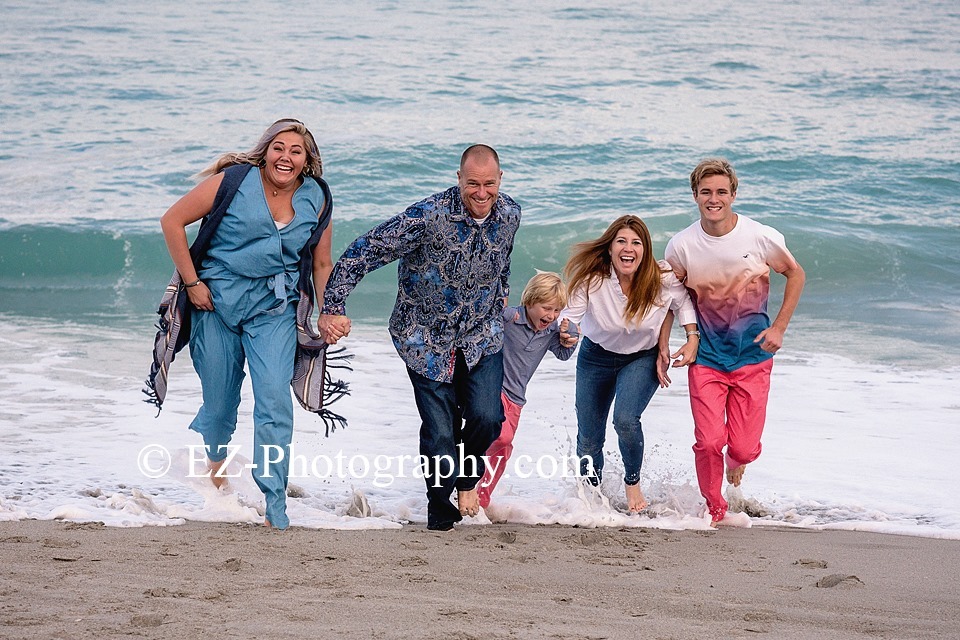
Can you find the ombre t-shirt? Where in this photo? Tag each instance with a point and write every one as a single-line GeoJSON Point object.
{"type": "Point", "coordinates": [729, 281]}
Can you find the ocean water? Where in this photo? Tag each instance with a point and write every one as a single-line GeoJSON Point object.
{"type": "Point", "coordinates": [842, 120]}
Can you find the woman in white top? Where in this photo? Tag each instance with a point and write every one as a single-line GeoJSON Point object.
{"type": "Point", "coordinates": [622, 299]}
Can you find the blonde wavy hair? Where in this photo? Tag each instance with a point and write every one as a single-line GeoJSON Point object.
{"type": "Point", "coordinates": [313, 167]}
{"type": "Point", "coordinates": [544, 287]}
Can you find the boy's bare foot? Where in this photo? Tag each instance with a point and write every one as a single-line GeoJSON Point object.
{"type": "Point", "coordinates": [734, 476]}
{"type": "Point", "coordinates": [469, 502]}
{"type": "Point", "coordinates": [636, 501]}
{"type": "Point", "coordinates": [217, 479]}
{"type": "Point", "coordinates": [267, 524]}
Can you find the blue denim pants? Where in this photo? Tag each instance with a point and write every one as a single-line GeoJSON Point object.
{"type": "Point", "coordinates": [267, 344]}
{"type": "Point", "coordinates": [626, 381]}
{"type": "Point", "coordinates": [466, 411]}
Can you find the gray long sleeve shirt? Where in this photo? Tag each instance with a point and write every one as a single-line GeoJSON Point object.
{"type": "Point", "coordinates": [524, 348]}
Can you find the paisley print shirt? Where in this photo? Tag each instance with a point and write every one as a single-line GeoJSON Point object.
{"type": "Point", "coordinates": [452, 279]}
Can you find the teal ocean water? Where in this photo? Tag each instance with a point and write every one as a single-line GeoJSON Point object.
{"type": "Point", "coordinates": [842, 119]}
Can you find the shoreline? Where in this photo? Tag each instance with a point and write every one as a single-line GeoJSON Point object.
{"type": "Point", "coordinates": [63, 579]}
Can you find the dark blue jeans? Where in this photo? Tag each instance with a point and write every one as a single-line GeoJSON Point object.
{"type": "Point", "coordinates": [466, 411]}
{"type": "Point", "coordinates": [602, 376]}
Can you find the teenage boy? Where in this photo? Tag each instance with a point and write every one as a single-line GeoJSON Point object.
{"type": "Point", "coordinates": [725, 259]}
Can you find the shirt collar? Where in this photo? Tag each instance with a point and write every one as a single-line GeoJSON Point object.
{"type": "Point", "coordinates": [615, 283]}
{"type": "Point", "coordinates": [522, 317]}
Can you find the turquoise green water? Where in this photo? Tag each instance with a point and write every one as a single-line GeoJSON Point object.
{"type": "Point", "coordinates": [845, 136]}
{"type": "Point", "coordinates": [843, 120]}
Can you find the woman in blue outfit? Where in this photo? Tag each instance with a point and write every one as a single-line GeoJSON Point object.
{"type": "Point", "coordinates": [622, 298]}
{"type": "Point", "coordinates": [244, 295]}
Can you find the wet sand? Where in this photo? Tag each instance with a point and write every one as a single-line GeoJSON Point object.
{"type": "Point", "coordinates": [67, 580]}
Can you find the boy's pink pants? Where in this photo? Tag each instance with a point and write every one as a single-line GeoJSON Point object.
{"type": "Point", "coordinates": [499, 452]}
{"type": "Point", "coordinates": [729, 410]}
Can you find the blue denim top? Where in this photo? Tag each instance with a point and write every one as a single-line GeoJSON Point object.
{"type": "Point", "coordinates": [251, 266]}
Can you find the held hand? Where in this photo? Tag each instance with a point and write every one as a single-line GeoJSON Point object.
{"type": "Point", "coordinates": [772, 339]}
{"type": "Point", "coordinates": [332, 327]}
{"type": "Point", "coordinates": [687, 354]}
{"type": "Point", "coordinates": [663, 368]}
{"type": "Point", "coordinates": [199, 296]}
{"type": "Point", "coordinates": [568, 337]}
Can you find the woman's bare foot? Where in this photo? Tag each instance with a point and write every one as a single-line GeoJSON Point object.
{"type": "Point", "coordinates": [636, 501]}
{"type": "Point", "coordinates": [217, 479]}
{"type": "Point", "coordinates": [734, 476]}
{"type": "Point", "coordinates": [469, 502]}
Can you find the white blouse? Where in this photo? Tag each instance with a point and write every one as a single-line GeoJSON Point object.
{"type": "Point", "coordinates": [599, 313]}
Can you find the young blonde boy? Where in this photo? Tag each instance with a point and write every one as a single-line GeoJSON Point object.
{"type": "Point", "coordinates": [529, 331]}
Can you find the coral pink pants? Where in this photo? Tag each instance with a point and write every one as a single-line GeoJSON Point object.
{"type": "Point", "coordinates": [729, 410]}
{"type": "Point", "coordinates": [499, 452]}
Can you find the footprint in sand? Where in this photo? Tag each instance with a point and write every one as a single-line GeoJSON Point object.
{"type": "Point", "coordinates": [422, 578]}
{"type": "Point", "coordinates": [231, 564]}
{"type": "Point", "coordinates": [55, 543]}
{"type": "Point", "coordinates": [162, 592]}
{"type": "Point", "coordinates": [16, 539]}
{"type": "Point", "coordinates": [811, 564]}
{"type": "Point", "coordinates": [148, 620]}
{"type": "Point", "coordinates": [589, 538]}
{"type": "Point", "coordinates": [414, 545]}
{"type": "Point", "coordinates": [509, 537]}
{"type": "Point", "coordinates": [761, 616]}
{"type": "Point", "coordinates": [84, 525]}
{"type": "Point", "coordinates": [838, 579]}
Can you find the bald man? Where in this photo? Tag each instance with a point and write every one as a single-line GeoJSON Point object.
{"type": "Point", "coordinates": [454, 251]}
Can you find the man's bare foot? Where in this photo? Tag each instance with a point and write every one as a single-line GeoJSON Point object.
{"type": "Point", "coordinates": [217, 479]}
{"type": "Point", "coordinates": [267, 524]}
{"type": "Point", "coordinates": [636, 501]}
{"type": "Point", "coordinates": [734, 476]}
{"type": "Point", "coordinates": [469, 502]}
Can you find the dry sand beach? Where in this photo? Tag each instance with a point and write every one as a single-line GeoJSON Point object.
{"type": "Point", "coordinates": [69, 580]}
